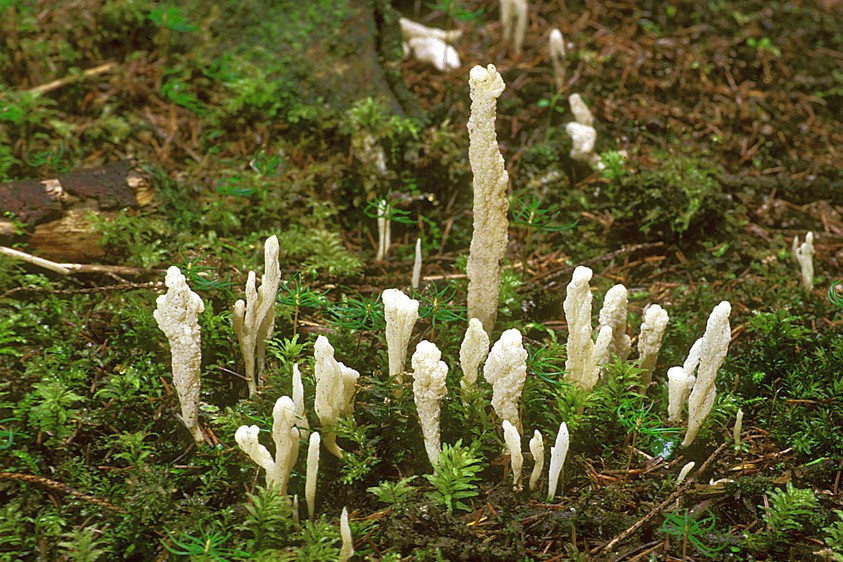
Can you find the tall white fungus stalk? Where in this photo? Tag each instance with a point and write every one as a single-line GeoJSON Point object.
{"type": "Point", "coordinates": [488, 242]}
{"type": "Point", "coordinates": [177, 316]}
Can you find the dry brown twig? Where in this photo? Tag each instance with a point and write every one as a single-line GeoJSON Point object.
{"type": "Point", "coordinates": [660, 507]}
{"type": "Point", "coordinates": [61, 487]}
{"type": "Point", "coordinates": [71, 268]}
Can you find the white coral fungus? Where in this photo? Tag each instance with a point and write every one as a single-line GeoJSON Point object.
{"type": "Point", "coordinates": [177, 316]}
{"type": "Point", "coordinates": [506, 371]}
{"type": "Point", "coordinates": [429, 375]}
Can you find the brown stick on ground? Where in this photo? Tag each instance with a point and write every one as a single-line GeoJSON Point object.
{"type": "Point", "coordinates": [71, 268]}
{"type": "Point", "coordinates": [658, 509]}
{"type": "Point", "coordinates": [56, 84]}
{"type": "Point", "coordinates": [61, 487]}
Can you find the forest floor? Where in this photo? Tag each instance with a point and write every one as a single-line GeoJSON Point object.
{"type": "Point", "coordinates": [720, 127]}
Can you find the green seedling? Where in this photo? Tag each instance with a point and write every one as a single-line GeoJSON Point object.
{"type": "Point", "coordinates": [691, 530]}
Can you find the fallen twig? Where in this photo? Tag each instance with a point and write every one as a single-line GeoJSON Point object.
{"type": "Point", "coordinates": [56, 84]}
{"type": "Point", "coordinates": [658, 509]}
{"type": "Point", "coordinates": [71, 268]}
{"type": "Point", "coordinates": [61, 487]}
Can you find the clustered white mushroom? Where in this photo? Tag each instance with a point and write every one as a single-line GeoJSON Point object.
{"type": "Point", "coordinates": [558, 53]}
{"type": "Point", "coordinates": [583, 134]}
{"type": "Point", "coordinates": [286, 438]}
{"type": "Point", "coordinates": [473, 351]}
{"type": "Point", "coordinates": [430, 45]}
{"type": "Point", "coordinates": [177, 316]}
{"type": "Point", "coordinates": [335, 387]}
{"type": "Point", "coordinates": [506, 371]}
{"type": "Point", "coordinates": [650, 341]}
{"type": "Point", "coordinates": [488, 241]}
{"type": "Point", "coordinates": [254, 318]}
{"type": "Point", "coordinates": [804, 254]}
{"type": "Point", "coordinates": [514, 22]}
{"type": "Point", "coordinates": [512, 438]}
{"type": "Point", "coordinates": [585, 357]}
{"type": "Point", "coordinates": [505, 365]}
{"type": "Point", "coordinates": [429, 375]}
{"type": "Point", "coordinates": [706, 356]}
{"type": "Point", "coordinates": [401, 313]}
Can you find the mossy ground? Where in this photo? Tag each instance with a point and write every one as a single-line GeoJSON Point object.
{"type": "Point", "coordinates": [727, 116]}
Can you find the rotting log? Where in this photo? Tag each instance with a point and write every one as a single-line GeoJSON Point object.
{"type": "Point", "coordinates": [52, 215]}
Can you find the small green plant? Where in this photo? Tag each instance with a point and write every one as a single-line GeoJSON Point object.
{"type": "Point", "coordinates": [50, 160]}
{"type": "Point", "coordinates": [357, 463]}
{"type": "Point", "coordinates": [834, 537]}
{"type": "Point", "coordinates": [545, 361]}
{"type": "Point", "coordinates": [555, 104]}
{"type": "Point", "coordinates": [204, 277]}
{"type": "Point", "coordinates": [373, 116]}
{"type": "Point", "coordinates": [269, 519]}
{"type": "Point", "coordinates": [318, 251]}
{"type": "Point", "coordinates": [641, 421]}
{"type": "Point", "coordinates": [179, 92]}
{"type": "Point", "coordinates": [12, 531]}
{"type": "Point", "coordinates": [319, 538]}
{"type": "Point", "coordinates": [286, 350]}
{"type": "Point", "coordinates": [359, 313]}
{"type": "Point", "coordinates": [294, 294]}
{"type": "Point", "coordinates": [568, 402]}
{"type": "Point", "coordinates": [392, 493]}
{"type": "Point", "coordinates": [456, 11]}
{"type": "Point", "coordinates": [133, 449]}
{"type": "Point", "coordinates": [84, 545]}
{"type": "Point", "coordinates": [528, 214]}
{"type": "Point", "coordinates": [834, 297]}
{"type": "Point", "coordinates": [267, 165]}
{"type": "Point", "coordinates": [439, 306]}
{"type": "Point", "coordinates": [790, 509]}
{"type": "Point", "coordinates": [764, 45]}
{"type": "Point", "coordinates": [7, 434]}
{"type": "Point", "coordinates": [172, 18]}
{"type": "Point", "coordinates": [53, 411]}
{"type": "Point", "coordinates": [455, 476]}
{"type": "Point", "coordinates": [139, 237]}
{"type": "Point", "coordinates": [208, 546]}
{"type": "Point", "coordinates": [691, 530]}
{"type": "Point", "coordinates": [613, 162]}
{"type": "Point", "coordinates": [8, 336]}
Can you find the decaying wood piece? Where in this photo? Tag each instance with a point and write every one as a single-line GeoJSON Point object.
{"type": "Point", "coordinates": [54, 212]}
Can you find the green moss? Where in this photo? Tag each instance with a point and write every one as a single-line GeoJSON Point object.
{"type": "Point", "coordinates": [677, 198]}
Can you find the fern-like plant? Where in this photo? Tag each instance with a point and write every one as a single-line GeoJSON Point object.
{"type": "Point", "coordinates": [790, 509]}
{"type": "Point", "coordinates": [8, 337]}
{"type": "Point", "coordinates": [319, 539]}
{"type": "Point", "coordinates": [84, 545]}
{"type": "Point", "coordinates": [684, 525]}
{"type": "Point", "coordinates": [392, 493]}
{"type": "Point", "coordinates": [209, 546]}
{"type": "Point", "coordinates": [270, 518]}
{"type": "Point", "coordinates": [834, 537]}
{"type": "Point", "coordinates": [455, 476]}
